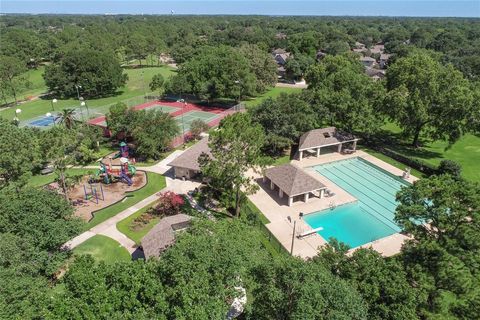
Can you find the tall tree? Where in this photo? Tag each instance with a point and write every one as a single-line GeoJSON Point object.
{"type": "Point", "coordinates": [158, 84]}
{"type": "Point", "coordinates": [426, 98]}
{"type": "Point", "coordinates": [12, 76]}
{"type": "Point", "coordinates": [262, 64]}
{"type": "Point", "coordinates": [236, 148]}
{"type": "Point", "coordinates": [67, 117]}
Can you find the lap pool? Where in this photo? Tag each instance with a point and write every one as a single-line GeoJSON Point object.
{"type": "Point", "coordinates": [368, 219]}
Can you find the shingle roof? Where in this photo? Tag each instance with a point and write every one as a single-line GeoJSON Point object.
{"type": "Point", "coordinates": [189, 158]}
{"type": "Point", "coordinates": [162, 235]}
{"type": "Point", "coordinates": [292, 180]}
{"type": "Point", "coordinates": [369, 59]}
{"type": "Point", "coordinates": [325, 136]}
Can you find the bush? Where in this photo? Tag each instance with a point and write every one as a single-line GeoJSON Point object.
{"type": "Point", "coordinates": [169, 204]}
{"type": "Point", "coordinates": [450, 167]}
{"type": "Point", "coordinates": [197, 127]}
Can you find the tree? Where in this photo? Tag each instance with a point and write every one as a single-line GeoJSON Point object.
{"type": "Point", "coordinates": [425, 97]}
{"type": "Point", "coordinates": [283, 293]}
{"type": "Point", "coordinates": [169, 204]}
{"type": "Point", "coordinates": [158, 83]}
{"type": "Point", "coordinates": [442, 214]}
{"type": "Point", "coordinates": [262, 64]}
{"type": "Point", "coordinates": [236, 148]}
{"type": "Point", "coordinates": [216, 72]}
{"type": "Point", "coordinates": [284, 120]}
{"type": "Point", "coordinates": [12, 76]}
{"type": "Point", "coordinates": [197, 127]}
{"type": "Point", "coordinates": [120, 119]}
{"type": "Point", "coordinates": [67, 117]}
{"type": "Point", "coordinates": [344, 96]}
{"type": "Point", "coordinates": [297, 65]}
{"type": "Point", "coordinates": [450, 167]}
{"type": "Point", "coordinates": [97, 73]}
{"type": "Point", "coordinates": [162, 128]}
{"type": "Point", "coordinates": [20, 154]}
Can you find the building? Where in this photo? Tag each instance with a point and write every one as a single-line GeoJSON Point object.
{"type": "Point", "coordinates": [368, 61]}
{"type": "Point", "coordinates": [293, 182]}
{"type": "Point", "coordinates": [186, 165]}
{"type": "Point", "coordinates": [313, 141]}
{"type": "Point", "coordinates": [162, 235]}
{"type": "Point", "coordinates": [384, 57]}
{"type": "Point", "coordinates": [375, 74]}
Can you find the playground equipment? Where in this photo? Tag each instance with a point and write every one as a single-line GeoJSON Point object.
{"type": "Point", "coordinates": [93, 193]}
{"type": "Point", "coordinates": [107, 174]}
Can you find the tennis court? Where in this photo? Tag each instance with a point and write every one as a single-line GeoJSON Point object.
{"type": "Point", "coordinates": [187, 118]}
{"type": "Point", "coordinates": [163, 108]}
{"type": "Point", "coordinates": [43, 121]}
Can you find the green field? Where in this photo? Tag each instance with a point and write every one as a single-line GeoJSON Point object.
{"type": "Point", "coordinates": [137, 86]}
{"type": "Point", "coordinates": [156, 182]}
{"type": "Point", "coordinates": [40, 180]}
{"type": "Point", "coordinates": [124, 226]}
{"type": "Point", "coordinates": [103, 248]}
{"type": "Point", "coordinates": [466, 151]}
{"type": "Point", "coordinates": [272, 93]}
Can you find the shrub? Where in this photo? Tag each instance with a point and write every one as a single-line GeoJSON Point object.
{"type": "Point", "coordinates": [169, 204]}
{"type": "Point", "coordinates": [197, 127]}
{"type": "Point", "coordinates": [450, 167]}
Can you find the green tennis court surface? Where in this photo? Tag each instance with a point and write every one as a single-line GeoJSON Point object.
{"type": "Point", "coordinates": [166, 109]}
{"type": "Point", "coordinates": [187, 118]}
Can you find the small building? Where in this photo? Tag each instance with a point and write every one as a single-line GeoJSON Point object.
{"type": "Point", "coordinates": [384, 57]}
{"type": "Point", "coordinates": [186, 165]}
{"type": "Point", "coordinates": [162, 235]}
{"type": "Point", "coordinates": [320, 55]}
{"type": "Point", "coordinates": [281, 56]}
{"type": "Point", "coordinates": [377, 49]}
{"type": "Point", "coordinates": [293, 182]}
{"type": "Point", "coordinates": [368, 61]}
{"type": "Point", "coordinates": [375, 74]}
{"type": "Point", "coordinates": [313, 141]}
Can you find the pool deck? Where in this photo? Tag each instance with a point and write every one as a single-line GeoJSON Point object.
{"type": "Point", "coordinates": [278, 212]}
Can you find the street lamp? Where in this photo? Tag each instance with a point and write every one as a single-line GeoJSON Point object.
{"type": "Point", "coordinates": [78, 92]}
{"type": "Point", "coordinates": [183, 111]}
{"type": "Point", "coordinates": [84, 104]}
{"type": "Point", "coordinates": [52, 103]}
{"type": "Point", "coordinates": [240, 89]}
{"type": "Point", "coordinates": [15, 118]}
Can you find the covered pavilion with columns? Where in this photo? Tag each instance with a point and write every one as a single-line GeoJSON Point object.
{"type": "Point", "coordinates": [314, 140]}
{"type": "Point", "coordinates": [294, 183]}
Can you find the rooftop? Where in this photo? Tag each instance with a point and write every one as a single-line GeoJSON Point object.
{"type": "Point", "coordinates": [162, 235]}
{"type": "Point", "coordinates": [324, 137]}
{"type": "Point", "coordinates": [292, 180]}
{"type": "Point", "coordinates": [189, 158]}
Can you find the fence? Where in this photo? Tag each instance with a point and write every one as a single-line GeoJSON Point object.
{"type": "Point", "coordinates": [253, 217]}
{"type": "Point", "coordinates": [130, 102]}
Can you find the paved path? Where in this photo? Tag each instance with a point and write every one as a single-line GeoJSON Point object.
{"type": "Point", "coordinates": [109, 227]}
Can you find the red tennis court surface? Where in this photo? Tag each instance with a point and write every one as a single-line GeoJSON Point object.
{"type": "Point", "coordinates": [175, 109]}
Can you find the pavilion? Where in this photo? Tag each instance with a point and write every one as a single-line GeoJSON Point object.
{"type": "Point", "coordinates": [313, 141]}
{"type": "Point", "coordinates": [293, 182]}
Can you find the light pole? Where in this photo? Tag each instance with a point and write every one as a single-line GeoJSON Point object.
{"type": "Point", "coordinates": [48, 115]}
{"type": "Point", "coordinates": [52, 103]}
{"type": "Point", "coordinates": [78, 92]}
{"type": "Point", "coordinates": [15, 118]}
{"type": "Point", "coordinates": [293, 236]}
{"type": "Point", "coordinates": [240, 89]}
{"type": "Point", "coordinates": [183, 111]}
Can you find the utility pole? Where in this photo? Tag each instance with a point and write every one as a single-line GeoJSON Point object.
{"type": "Point", "coordinates": [293, 236]}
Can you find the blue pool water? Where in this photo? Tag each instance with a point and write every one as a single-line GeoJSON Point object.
{"type": "Point", "coordinates": [368, 219]}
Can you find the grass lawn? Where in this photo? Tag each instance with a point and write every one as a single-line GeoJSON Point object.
{"type": "Point", "coordinates": [40, 180]}
{"type": "Point", "coordinates": [272, 93]}
{"type": "Point", "coordinates": [137, 86]}
{"type": "Point", "coordinates": [103, 248]}
{"type": "Point", "coordinates": [156, 182]}
{"type": "Point", "coordinates": [281, 160]}
{"type": "Point", "coordinates": [466, 152]}
{"type": "Point", "coordinates": [124, 225]}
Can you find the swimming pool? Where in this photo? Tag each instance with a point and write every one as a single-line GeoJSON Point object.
{"type": "Point", "coordinates": [368, 219]}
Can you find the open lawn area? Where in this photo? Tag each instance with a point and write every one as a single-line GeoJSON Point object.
{"type": "Point", "coordinates": [136, 87]}
{"type": "Point", "coordinates": [156, 182]}
{"type": "Point", "coordinates": [466, 151]}
{"type": "Point", "coordinates": [103, 248]}
{"type": "Point", "coordinates": [40, 180]}
{"type": "Point", "coordinates": [271, 93]}
{"type": "Point", "coordinates": [125, 226]}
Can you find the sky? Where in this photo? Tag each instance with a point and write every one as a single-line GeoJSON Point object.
{"type": "Point", "coordinates": [410, 8]}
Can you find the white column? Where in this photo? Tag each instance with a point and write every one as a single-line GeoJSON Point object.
{"type": "Point", "coordinates": [272, 186]}
{"type": "Point", "coordinates": [355, 145]}
{"type": "Point", "coordinates": [280, 193]}
{"type": "Point", "coordinates": [301, 155]}
{"type": "Point", "coordinates": [339, 148]}
{"type": "Point", "coordinates": [305, 196]}
{"type": "Point", "coordinates": [318, 152]}
{"type": "Point", "coordinates": [290, 201]}
{"type": "Point", "coordinates": [264, 179]}
{"type": "Point", "coordinates": [322, 193]}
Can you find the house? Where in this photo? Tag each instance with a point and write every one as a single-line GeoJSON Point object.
{"type": "Point", "coordinates": [320, 55]}
{"type": "Point", "coordinates": [314, 140]}
{"type": "Point", "coordinates": [293, 182]}
{"type": "Point", "coordinates": [359, 45]}
{"type": "Point", "coordinates": [384, 57]}
{"type": "Point", "coordinates": [162, 235]}
{"type": "Point", "coordinates": [374, 73]}
{"type": "Point", "coordinates": [377, 49]}
{"type": "Point", "coordinates": [281, 58]}
{"type": "Point", "coordinates": [186, 165]}
{"type": "Point", "coordinates": [281, 71]}
{"type": "Point", "coordinates": [368, 61]}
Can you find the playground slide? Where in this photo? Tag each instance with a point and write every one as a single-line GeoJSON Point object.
{"type": "Point", "coordinates": [126, 178]}
{"type": "Point", "coordinates": [132, 170]}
